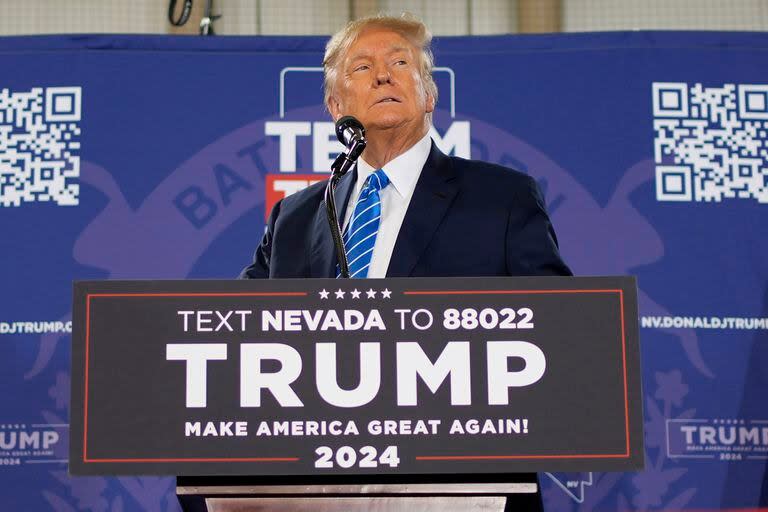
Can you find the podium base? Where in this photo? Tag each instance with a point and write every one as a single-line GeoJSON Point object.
{"type": "Point", "coordinates": [381, 504]}
{"type": "Point", "coordinates": [427, 497]}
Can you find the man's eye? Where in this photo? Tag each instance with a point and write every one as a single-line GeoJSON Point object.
{"type": "Point", "coordinates": [362, 67]}
{"type": "Point", "coordinates": [401, 63]}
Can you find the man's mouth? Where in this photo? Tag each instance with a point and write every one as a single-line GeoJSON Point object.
{"type": "Point", "coordinates": [388, 99]}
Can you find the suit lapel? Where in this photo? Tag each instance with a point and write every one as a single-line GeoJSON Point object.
{"type": "Point", "coordinates": [323, 260]}
{"type": "Point", "coordinates": [434, 193]}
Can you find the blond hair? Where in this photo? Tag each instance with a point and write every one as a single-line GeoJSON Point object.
{"type": "Point", "coordinates": [407, 25]}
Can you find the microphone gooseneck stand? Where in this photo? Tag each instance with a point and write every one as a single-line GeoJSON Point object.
{"type": "Point", "coordinates": [341, 165]}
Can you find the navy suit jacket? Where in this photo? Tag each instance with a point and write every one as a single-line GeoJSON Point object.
{"type": "Point", "coordinates": [466, 218]}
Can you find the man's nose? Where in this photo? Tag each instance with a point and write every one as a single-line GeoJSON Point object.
{"type": "Point", "coordinates": [382, 75]}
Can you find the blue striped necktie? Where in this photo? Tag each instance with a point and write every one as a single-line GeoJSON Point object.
{"type": "Point", "coordinates": [360, 234]}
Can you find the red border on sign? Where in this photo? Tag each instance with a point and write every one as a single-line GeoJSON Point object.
{"type": "Point", "coordinates": [627, 454]}
{"type": "Point", "coordinates": [87, 368]}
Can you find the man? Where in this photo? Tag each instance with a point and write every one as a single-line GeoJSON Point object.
{"type": "Point", "coordinates": [440, 216]}
{"type": "Point", "coordinates": [407, 209]}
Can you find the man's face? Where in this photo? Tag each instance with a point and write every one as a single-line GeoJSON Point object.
{"type": "Point", "coordinates": [378, 82]}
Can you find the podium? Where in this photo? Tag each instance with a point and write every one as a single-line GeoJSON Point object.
{"type": "Point", "coordinates": [376, 394]}
{"type": "Point", "coordinates": [233, 494]}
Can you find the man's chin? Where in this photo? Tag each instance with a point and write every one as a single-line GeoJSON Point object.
{"type": "Point", "coordinates": [384, 122]}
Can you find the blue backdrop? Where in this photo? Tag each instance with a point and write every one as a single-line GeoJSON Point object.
{"type": "Point", "coordinates": [158, 157]}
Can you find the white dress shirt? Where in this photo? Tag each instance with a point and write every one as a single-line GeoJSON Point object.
{"type": "Point", "coordinates": [403, 173]}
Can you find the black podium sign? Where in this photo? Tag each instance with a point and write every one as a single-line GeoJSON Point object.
{"type": "Point", "coordinates": [353, 377]}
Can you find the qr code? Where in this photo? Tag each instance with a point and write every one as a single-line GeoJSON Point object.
{"type": "Point", "coordinates": [39, 145]}
{"type": "Point", "coordinates": [710, 142]}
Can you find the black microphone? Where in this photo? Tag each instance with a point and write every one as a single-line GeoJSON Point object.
{"type": "Point", "coordinates": [351, 133]}
{"type": "Point", "coordinates": [349, 129]}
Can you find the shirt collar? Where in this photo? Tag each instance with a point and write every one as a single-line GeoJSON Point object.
{"type": "Point", "coordinates": [404, 171]}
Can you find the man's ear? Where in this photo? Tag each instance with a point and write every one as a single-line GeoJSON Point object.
{"type": "Point", "coordinates": [430, 103]}
{"type": "Point", "coordinates": [334, 107]}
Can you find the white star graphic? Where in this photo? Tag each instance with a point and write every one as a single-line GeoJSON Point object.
{"type": "Point", "coordinates": [385, 293]}
{"type": "Point", "coordinates": [324, 294]}
{"type": "Point", "coordinates": [355, 293]}
{"type": "Point", "coordinates": [370, 293]}
{"type": "Point", "coordinates": [339, 293]}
